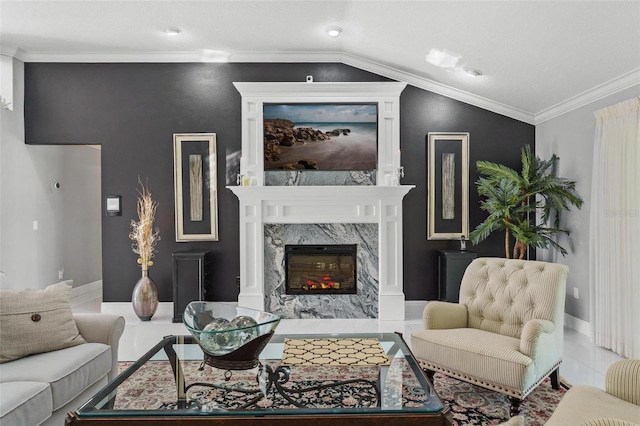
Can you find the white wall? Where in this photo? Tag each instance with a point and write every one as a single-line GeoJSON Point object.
{"type": "Point", "coordinates": [69, 218]}
{"type": "Point", "coordinates": [571, 137]}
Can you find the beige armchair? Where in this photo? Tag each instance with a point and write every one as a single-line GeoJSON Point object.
{"type": "Point", "coordinates": [506, 332]}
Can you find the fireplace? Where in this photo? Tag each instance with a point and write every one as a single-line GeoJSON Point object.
{"type": "Point", "coordinates": [320, 269]}
{"type": "Point", "coordinates": [325, 205]}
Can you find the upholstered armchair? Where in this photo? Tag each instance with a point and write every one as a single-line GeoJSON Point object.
{"type": "Point", "coordinates": [506, 332]}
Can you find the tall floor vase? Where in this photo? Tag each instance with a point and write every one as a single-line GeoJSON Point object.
{"type": "Point", "coordinates": [145, 297]}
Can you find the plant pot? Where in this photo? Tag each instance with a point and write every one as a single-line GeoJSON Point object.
{"type": "Point", "coordinates": [145, 297]}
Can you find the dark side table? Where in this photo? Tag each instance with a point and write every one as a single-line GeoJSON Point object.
{"type": "Point", "coordinates": [451, 267]}
{"type": "Point", "coordinates": [190, 279]}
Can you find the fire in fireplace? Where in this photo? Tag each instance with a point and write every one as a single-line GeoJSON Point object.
{"type": "Point", "coordinates": [320, 269]}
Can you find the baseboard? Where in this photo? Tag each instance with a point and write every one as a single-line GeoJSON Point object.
{"type": "Point", "coordinates": [86, 293]}
{"type": "Point", "coordinates": [581, 326]}
{"type": "Point", "coordinates": [415, 303]}
{"type": "Point", "coordinates": [165, 309]}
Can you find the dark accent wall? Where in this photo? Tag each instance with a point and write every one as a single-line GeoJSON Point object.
{"type": "Point", "coordinates": [133, 110]}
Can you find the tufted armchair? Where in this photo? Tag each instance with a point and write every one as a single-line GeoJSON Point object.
{"type": "Point", "coordinates": [506, 332]}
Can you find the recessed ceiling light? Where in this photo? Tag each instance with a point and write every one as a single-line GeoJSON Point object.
{"type": "Point", "coordinates": [172, 31]}
{"type": "Point", "coordinates": [473, 72]}
{"type": "Point", "coordinates": [333, 31]}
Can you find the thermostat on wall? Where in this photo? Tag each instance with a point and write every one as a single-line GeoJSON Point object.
{"type": "Point", "coordinates": [114, 205]}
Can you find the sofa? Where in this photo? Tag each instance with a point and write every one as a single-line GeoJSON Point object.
{"type": "Point", "coordinates": [618, 404]}
{"type": "Point", "coordinates": [39, 385]}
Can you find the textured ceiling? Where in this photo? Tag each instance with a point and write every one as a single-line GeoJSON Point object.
{"type": "Point", "coordinates": [534, 55]}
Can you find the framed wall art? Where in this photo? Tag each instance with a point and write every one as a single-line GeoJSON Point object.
{"type": "Point", "coordinates": [448, 187]}
{"type": "Point", "coordinates": [320, 136]}
{"type": "Point", "coordinates": [195, 180]}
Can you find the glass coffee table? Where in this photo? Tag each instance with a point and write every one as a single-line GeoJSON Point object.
{"type": "Point", "coordinates": [332, 382]}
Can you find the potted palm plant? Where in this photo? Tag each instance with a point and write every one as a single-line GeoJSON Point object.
{"type": "Point", "coordinates": [512, 200]}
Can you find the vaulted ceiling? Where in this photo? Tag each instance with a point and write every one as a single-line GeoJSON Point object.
{"type": "Point", "coordinates": [537, 58]}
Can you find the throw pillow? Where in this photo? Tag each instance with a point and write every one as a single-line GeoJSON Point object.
{"type": "Point", "coordinates": [514, 421]}
{"type": "Point", "coordinates": [35, 321]}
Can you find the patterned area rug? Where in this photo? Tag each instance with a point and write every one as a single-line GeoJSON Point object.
{"type": "Point", "coordinates": [353, 386]}
{"type": "Point", "coordinates": [153, 386]}
{"type": "Point", "coordinates": [473, 405]}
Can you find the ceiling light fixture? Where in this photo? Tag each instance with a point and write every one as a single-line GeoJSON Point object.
{"type": "Point", "coordinates": [172, 31]}
{"type": "Point", "coordinates": [473, 72]}
{"type": "Point", "coordinates": [333, 31]}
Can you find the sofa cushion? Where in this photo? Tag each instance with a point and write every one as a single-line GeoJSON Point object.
{"type": "Point", "coordinates": [68, 371]}
{"type": "Point", "coordinates": [490, 357]}
{"type": "Point", "coordinates": [35, 321]}
{"type": "Point", "coordinates": [583, 403]}
{"type": "Point", "coordinates": [24, 403]}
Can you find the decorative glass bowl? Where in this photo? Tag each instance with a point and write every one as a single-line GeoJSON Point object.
{"type": "Point", "coordinates": [231, 337]}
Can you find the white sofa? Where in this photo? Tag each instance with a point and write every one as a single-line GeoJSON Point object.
{"type": "Point", "coordinates": [40, 389]}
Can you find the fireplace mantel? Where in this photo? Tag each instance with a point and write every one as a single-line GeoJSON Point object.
{"type": "Point", "coordinates": [322, 204]}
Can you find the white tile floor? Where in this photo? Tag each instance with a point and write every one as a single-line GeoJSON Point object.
{"type": "Point", "coordinates": [583, 362]}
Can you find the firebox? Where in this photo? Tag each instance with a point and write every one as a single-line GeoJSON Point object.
{"type": "Point", "coordinates": [320, 269]}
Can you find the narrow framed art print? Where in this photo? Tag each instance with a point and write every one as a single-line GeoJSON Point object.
{"type": "Point", "coordinates": [448, 169]}
{"type": "Point", "coordinates": [196, 186]}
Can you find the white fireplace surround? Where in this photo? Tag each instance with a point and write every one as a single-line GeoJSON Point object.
{"type": "Point", "coordinates": [381, 204]}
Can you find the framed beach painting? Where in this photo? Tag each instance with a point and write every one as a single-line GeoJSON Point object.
{"type": "Point", "coordinates": [448, 187]}
{"type": "Point", "coordinates": [195, 180]}
{"type": "Point", "coordinates": [320, 136]}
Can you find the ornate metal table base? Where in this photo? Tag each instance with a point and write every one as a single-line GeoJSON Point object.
{"type": "Point", "coordinates": [270, 383]}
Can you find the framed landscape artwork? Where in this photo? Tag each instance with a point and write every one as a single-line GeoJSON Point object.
{"type": "Point", "coordinates": [320, 136]}
{"type": "Point", "coordinates": [195, 180]}
{"type": "Point", "coordinates": [448, 187]}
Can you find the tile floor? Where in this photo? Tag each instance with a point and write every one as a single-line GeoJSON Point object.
{"type": "Point", "coordinates": [583, 362]}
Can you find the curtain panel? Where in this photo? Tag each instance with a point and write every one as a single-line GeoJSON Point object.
{"type": "Point", "coordinates": [615, 230]}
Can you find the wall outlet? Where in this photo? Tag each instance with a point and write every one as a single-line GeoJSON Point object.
{"type": "Point", "coordinates": [575, 293]}
{"type": "Point", "coordinates": [35, 225]}
{"type": "Point", "coordinates": [61, 273]}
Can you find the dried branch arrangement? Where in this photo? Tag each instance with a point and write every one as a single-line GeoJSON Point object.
{"type": "Point", "coordinates": [142, 233]}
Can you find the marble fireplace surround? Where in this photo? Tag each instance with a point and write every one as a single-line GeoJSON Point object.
{"type": "Point", "coordinates": [379, 204]}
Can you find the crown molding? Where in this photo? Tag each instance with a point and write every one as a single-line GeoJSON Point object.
{"type": "Point", "coordinates": [292, 57]}
{"type": "Point", "coordinates": [286, 57]}
{"type": "Point", "coordinates": [119, 57]}
{"type": "Point", "coordinates": [435, 87]}
{"type": "Point", "coordinates": [13, 53]}
{"type": "Point", "coordinates": [184, 57]}
{"type": "Point", "coordinates": [615, 85]}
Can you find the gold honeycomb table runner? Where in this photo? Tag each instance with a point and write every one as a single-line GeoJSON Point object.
{"type": "Point", "coordinates": [334, 352]}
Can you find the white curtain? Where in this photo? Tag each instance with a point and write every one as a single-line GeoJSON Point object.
{"type": "Point", "coordinates": [614, 246]}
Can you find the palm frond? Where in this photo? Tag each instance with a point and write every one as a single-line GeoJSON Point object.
{"type": "Point", "coordinates": [512, 198]}
{"type": "Point", "coordinates": [496, 172]}
{"type": "Point", "coordinates": [482, 231]}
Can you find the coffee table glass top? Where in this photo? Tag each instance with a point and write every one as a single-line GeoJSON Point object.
{"type": "Point", "coordinates": [320, 374]}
